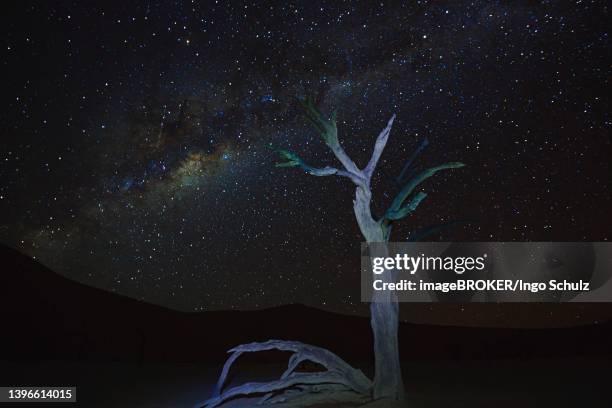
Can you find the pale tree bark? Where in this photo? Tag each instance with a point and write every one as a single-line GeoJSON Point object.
{"type": "Point", "coordinates": [340, 378]}
{"type": "Point", "coordinates": [384, 310]}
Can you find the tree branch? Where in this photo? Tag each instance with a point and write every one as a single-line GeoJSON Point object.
{"type": "Point", "coordinates": [413, 156]}
{"type": "Point", "coordinates": [293, 160]}
{"type": "Point", "coordinates": [379, 146]}
{"type": "Point", "coordinates": [338, 373]}
{"type": "Point", "coordinates": [407, 209]}
{"type": "Point", "coordinates": [329, 131]}
{"type": "Point", "coordinates": [411, 185]}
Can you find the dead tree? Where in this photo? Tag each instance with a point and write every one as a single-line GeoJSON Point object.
{"type": "Point", "coordinates": [341, 382]}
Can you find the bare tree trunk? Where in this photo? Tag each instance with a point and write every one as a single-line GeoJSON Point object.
{"type": "Point", "coordinates": [384, 310]}
{"type": "Point", "coordinates": [384, 321]}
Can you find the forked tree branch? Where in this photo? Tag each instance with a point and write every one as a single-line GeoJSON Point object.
{"type": "Point", "coordinates": [398, 209]}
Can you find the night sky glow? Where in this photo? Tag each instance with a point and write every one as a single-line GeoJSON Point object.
{"type": "Point", "coordinates": [136, 136]}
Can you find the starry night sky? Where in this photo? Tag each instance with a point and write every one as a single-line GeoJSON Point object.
{"type": "Point", "coordinates": [135, 136]}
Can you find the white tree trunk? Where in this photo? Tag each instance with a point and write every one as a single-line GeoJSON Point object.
{"type": "Point", "coordinates": [388, 376]}
{"type": "Point", "coordinates": [383, 309]}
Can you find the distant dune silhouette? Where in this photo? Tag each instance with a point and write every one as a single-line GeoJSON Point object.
{"type": "Point", "coordinates": [47, 316]}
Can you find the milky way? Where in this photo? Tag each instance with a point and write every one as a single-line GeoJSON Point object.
{"type": "Point", "coordinates": [136, 136]}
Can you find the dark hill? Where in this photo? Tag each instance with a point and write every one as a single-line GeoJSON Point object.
{"type": "Point", "coordinates": [47, 316]}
